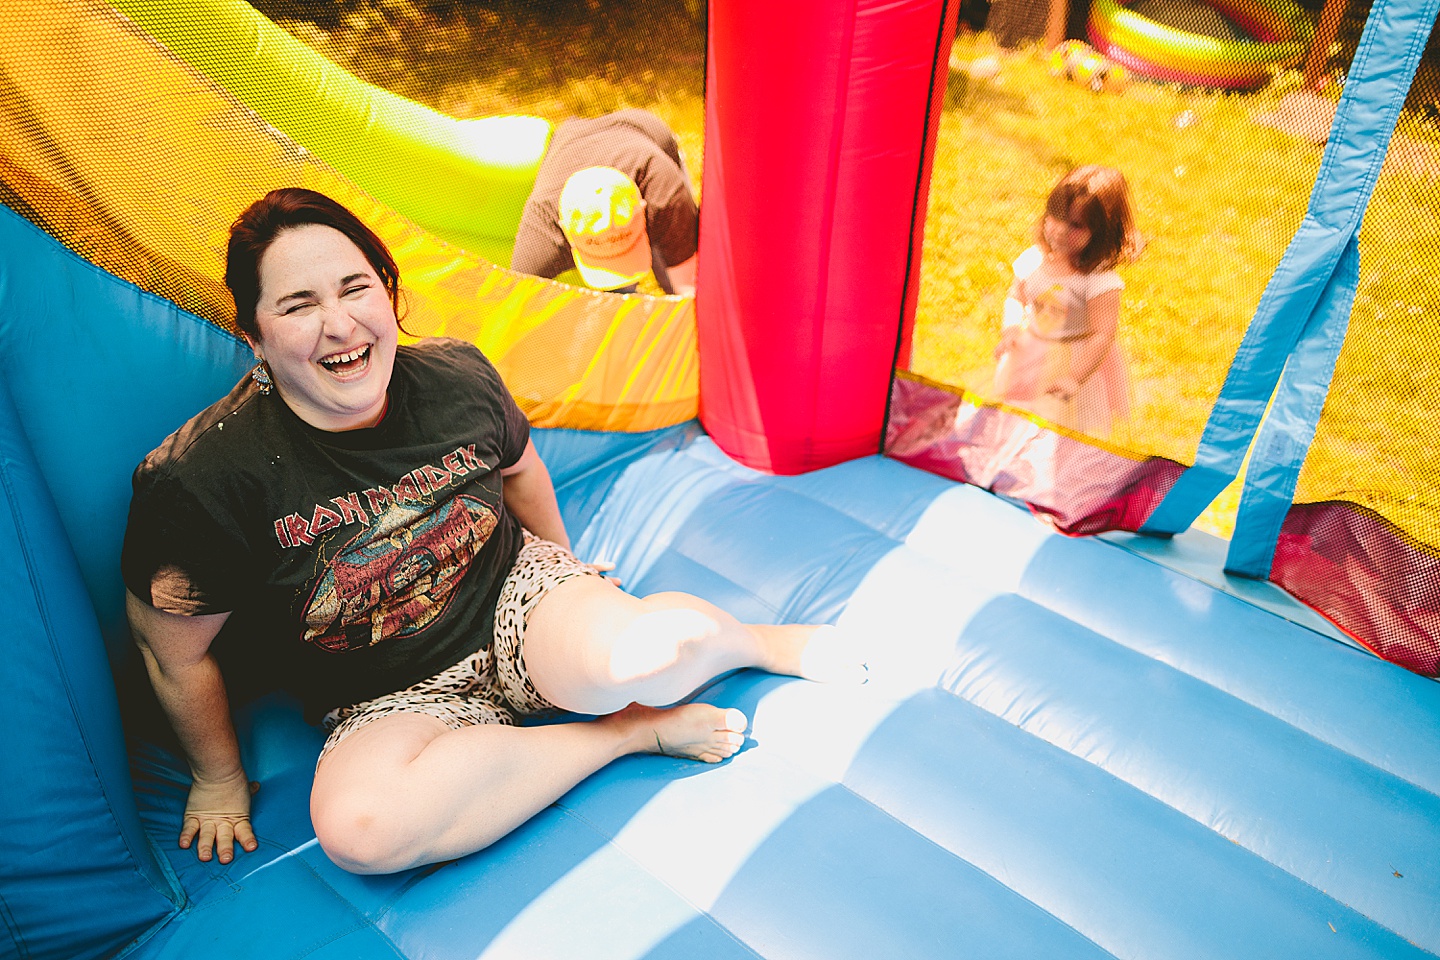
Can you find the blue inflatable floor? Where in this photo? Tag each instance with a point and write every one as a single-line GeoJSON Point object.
{"type": "Point", "coordinates": [1065, 750]}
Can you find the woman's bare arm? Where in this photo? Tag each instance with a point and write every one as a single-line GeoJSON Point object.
{"type": "Point", "coordinates": [682, 276]}
{"type": "Point", "coordinates": [530, 496]}
{"type": "Point", "coordinates": [187, 682]}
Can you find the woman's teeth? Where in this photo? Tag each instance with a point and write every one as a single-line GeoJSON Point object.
{"type": "Point", "coordinates": [341, 360]}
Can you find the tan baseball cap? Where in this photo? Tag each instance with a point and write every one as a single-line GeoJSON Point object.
{"type": "Point", "coordinates": [603, 217]}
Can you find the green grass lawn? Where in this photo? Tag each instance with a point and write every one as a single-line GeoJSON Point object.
{"type": "Point", "coordinates": [553, 60]}
{"type": "Point", "coordinates": [1217, 197]}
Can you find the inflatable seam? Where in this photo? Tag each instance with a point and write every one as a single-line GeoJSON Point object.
{"type": "Point", "coordinates": [1261, 857]}
{"type": "Point", "coordinates": [1126, 785]}
{"type": "Point", "coordinates": [1218, 685]}
{"type": "Point", "coordinates": [609, 840]}
{"type": "Point", "coordinates": [973, 866]}
{"type": "Point", "coordinates": [871, 804]}
{"type": "Point", "coordinates": [17, 936]}
{"type": "Point", "coordinates": [359, 920]}
{"type": "Point", "coordinates": [740, 588]}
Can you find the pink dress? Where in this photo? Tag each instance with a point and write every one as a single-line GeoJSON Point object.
{"type": "Point", "coordinates": [1055, 324]}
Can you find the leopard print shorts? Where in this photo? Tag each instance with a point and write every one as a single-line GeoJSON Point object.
{"type": "Point", "coordinates": [490, 685]}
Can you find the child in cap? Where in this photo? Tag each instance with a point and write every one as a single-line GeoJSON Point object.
{"type": "Point", "coordinates": [603, 217]}
{"type": "Point", "coordinates": [611, 202]}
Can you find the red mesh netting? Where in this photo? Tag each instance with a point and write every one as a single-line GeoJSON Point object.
{"type": "Point", "coordinates": [1077, 485]}
{"type": "Point", "coordinates": [1374, 582]}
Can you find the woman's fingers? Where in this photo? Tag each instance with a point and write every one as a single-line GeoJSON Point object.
{"type": "Point", "coordinates": [217, 838]}
{"type": "Point", "coordinates": [224, 841]}
{"type": "Point", "coordinates": [603, 567]}
{"type": "Point", "coordinates": [206, 838]}
{"type": "Point", "coordinates": [217, 813]}
{"type": "Point", "coordinates": [245, 836]}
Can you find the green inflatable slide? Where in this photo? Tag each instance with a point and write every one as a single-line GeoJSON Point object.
{"type": "Point", "coordinates": [465, 181]}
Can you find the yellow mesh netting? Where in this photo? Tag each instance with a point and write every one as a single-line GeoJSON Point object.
{"type": "Point", "coordinates": [1214, 225]}
{"type": "Point", "coordinates": [1379, 434]}
{"type": "Point", "coordinates": [136, 162]}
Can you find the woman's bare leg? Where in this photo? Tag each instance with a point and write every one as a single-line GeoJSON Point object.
{"type": "Point", "coordinates": [406, 790]}
{"type": "Point", "coordinates": [591, 648]}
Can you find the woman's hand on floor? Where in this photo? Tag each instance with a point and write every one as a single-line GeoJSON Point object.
{"type": "Point", "coordinates": [217, 814]}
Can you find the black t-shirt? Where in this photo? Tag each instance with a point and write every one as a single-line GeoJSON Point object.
{"type": "Point", "coordinates": [638, 144]}
{"type": "Point", "coordinates": [357, 562]}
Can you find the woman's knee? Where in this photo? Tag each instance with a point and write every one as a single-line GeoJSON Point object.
{"type": "Point", "coordinates": [658, 639]}
{"type": "Point", "coordinates": [363, 831]}
{"type": "Point", "coordinates": [677, 600]}
{"type": "Point", "coordinates": [603, 650]}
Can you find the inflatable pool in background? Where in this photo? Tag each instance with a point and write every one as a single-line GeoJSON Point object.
{"type": "Point", "coordinates": [1278, 30]}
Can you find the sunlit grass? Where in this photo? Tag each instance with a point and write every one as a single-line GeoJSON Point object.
{"type": "Point", "coordinates": [556, 61]}
{"type": "Point", "coordinates": [1380, 432]}
{"type": "Point", "coordinates": [1216, 199]}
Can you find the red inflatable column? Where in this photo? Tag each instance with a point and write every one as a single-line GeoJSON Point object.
{"type": "Point", "coordinates": [820, 122]}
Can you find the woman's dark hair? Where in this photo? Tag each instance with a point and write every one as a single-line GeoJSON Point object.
{"type": "Point", "coordinates": [1101, 198]}
{"type": "Point", "coordinates": [279, 210]}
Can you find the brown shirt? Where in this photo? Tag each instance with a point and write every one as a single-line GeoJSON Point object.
{"type": "Point", "coordinates": [637, 143]}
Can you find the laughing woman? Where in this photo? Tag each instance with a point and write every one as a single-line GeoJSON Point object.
{"type": "Point", "coordinates": [373, 522]}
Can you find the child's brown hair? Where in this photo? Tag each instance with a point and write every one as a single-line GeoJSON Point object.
{"type": "Point", "coordinates": [1100, 197]}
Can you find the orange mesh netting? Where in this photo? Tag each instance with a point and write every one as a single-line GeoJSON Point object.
{"type": "Point", "coordinates": [135, 161]}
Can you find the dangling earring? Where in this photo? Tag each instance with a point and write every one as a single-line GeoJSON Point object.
{"type": "Point", "coordinates": [261, 376]}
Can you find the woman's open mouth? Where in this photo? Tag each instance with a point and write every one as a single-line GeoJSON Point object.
{"type": "Point", "coordinates": [348, 363]}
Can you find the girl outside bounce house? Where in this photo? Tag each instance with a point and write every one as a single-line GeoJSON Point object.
{"type": "Point", "coordinates": [1057, 353]}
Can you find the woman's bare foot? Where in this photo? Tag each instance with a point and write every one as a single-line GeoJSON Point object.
{"type": "Point", "coordinates": [822, 653]}
{"type": "Point", "coordinates": [693, 731]}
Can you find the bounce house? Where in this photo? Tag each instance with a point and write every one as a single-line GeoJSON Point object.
{"type": "Point", "coordinates": [1089, 731]}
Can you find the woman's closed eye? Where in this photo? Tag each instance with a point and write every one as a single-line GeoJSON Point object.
{"type": "Point", "coordinates": [297, 307]}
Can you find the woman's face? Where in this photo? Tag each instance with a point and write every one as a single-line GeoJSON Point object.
{"type": "Point", "coordinates": [327, 328]}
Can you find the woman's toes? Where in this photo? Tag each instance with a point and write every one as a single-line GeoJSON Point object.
{"type": "Point", "coordinates": [735, 721]}
{"type": "Point", "coordinates": [698, 731]}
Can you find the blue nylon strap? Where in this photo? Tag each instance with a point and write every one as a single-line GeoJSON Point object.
{"type": "Point", "coordinates": [1289, 428]}
{"type": "Point", "coordinates": [1288, 301]}
{"type": "Point", "coordinates": [1380, 76]}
